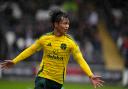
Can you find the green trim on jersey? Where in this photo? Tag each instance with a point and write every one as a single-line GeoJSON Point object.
{"type": "Point", "coordinates": [49, 33]}
{"type": "Point", "coordinates": [71, 38]}
{"type": "Point", "coordinates": [52, 33]}
{"type": "Point", "coordinates": [40, 70]}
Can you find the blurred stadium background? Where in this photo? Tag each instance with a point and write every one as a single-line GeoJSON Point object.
{"type": "Point", "coordinates": [100, 27]}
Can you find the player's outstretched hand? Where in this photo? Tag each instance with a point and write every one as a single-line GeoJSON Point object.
{"type": "Point", "coordinates": [6, 64]}
{"type": "Point", "coordinates": [96, 81]}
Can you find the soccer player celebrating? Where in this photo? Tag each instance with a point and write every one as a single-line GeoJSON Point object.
{"type": "Point", "coordinates": [57, 47]}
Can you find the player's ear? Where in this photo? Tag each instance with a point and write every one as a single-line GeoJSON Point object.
{"type": "Point", "coordinates": [55, 24]}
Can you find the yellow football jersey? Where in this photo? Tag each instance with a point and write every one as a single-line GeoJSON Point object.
{"type": "Point", "coordinates": [56, 53]}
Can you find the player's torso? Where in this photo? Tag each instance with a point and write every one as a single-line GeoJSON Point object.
{"type": "Point", "coordinates": [56, 56]}
{"type": "Point", "coordinates": [57, 48]}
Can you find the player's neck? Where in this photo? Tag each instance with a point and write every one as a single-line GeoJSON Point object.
{"type": "Point", "coordinates": [58, 34]}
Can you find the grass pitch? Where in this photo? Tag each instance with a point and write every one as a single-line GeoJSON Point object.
{"type": "Point", "coordinates": [16, 84]}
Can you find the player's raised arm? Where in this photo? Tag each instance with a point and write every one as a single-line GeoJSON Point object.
{"type": "Point", "coordinates": [96, 80]}
{"type": "Point", "coordinates": [23, 55]}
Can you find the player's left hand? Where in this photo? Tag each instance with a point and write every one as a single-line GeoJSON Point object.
{"type": "Point", "coordinates": [96, 81]}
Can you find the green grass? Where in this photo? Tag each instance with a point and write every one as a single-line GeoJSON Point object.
{"type": "Point", "coordinates": [4, 84]}
{"type": "Point", "coordinates": [89, 86]}
{"type": "Point", "coordinates": [13, 84]}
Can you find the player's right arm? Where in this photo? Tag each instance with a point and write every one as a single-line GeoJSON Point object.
{"type": "Point", "coordinates": [23, 55]}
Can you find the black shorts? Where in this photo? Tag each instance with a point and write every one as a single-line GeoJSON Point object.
{"type": "Point", "coordinates": [43, 83]}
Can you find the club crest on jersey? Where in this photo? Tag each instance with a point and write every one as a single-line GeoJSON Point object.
{"type": "Point", "coordinates": [63, 46]}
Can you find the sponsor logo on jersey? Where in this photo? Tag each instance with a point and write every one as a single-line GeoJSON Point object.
{"type": "Point", "coordinates": [52, 56]}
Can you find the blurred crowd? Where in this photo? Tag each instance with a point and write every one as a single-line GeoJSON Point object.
{"type": "Point", "coordinates": [24, 21]}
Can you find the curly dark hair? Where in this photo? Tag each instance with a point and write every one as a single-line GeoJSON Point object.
{"type": "Point", "coordinates": [56, 15]}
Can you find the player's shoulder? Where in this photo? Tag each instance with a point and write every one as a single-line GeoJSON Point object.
{"type": "Point", "coordinates": [46, 35]}
{"type": "Point", "coordinates": [70, 37]}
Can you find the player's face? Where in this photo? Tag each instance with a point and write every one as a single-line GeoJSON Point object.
{"type": "Point", "coordinates": [63, 26]}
